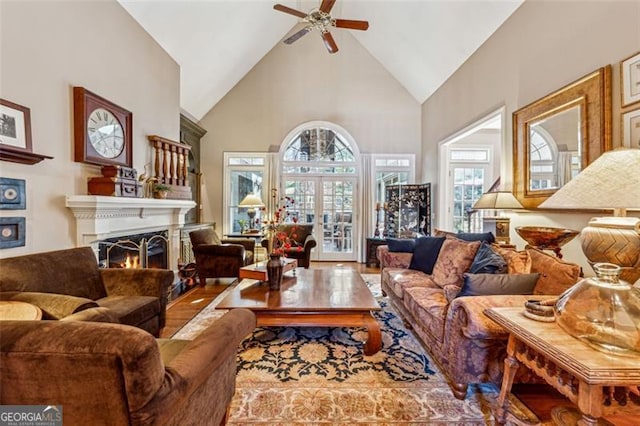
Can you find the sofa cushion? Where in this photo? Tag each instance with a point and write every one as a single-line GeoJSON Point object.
{"type": "Point", "coordinates": [555, 275]}
{"type": "Point", "coordinates": [131, 310]}
{"type": "Point", "coordinates": [518, 262]}
{"type": "Point", "coordinates": [488, 284]}
{"type": "Point", "coordinates": [401, 245]}
{"type": "Point", "coordinates": [425, 253]}
{"type": "Point", "coordinates": [455, 258]}
{"type": "Point", "coordinates": [467, 236]}
{"type": "Point", "coordinates": [53, 306]}
{"type": "Point", "coordinates": [429, 307]}
{"type": "Point", "coordinates": [488, 261]}
{"type": "Point", "coordinates": [399, 279]}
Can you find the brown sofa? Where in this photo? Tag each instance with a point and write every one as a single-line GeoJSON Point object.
{"type": "Point", "coordinates": [113, 374]}
{"type": "Point", "coordinates": [65, 282]}
{"type": "Point", "coordinates": [468, 346]}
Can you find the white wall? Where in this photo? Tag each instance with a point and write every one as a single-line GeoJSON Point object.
{"type": "Point", "coordinates": [47, 47]}
{"type": "Point", "coordinates": [543, 46]}
{"type": "Point", "coordinates": [299, 83]}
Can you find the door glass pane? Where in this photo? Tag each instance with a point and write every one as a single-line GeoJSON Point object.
{"type": "Point", "coordinates": [337, 206]}
{"type": "Point", "coordinates": [303, 194]}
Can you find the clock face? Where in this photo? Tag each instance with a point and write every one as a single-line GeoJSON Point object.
{"type": "Point", "coordinates": [105, 132]}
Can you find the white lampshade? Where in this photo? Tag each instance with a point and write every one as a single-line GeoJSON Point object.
{"type": "Point", "coordinates": [499, 200]}
{"type": "Point", "coordinates": [251, 201]}
{"type": "Point", "coordinates": [611, 182]}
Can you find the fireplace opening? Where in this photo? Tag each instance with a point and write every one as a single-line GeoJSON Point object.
{"type": "Point", "coordinates": [148, 250]}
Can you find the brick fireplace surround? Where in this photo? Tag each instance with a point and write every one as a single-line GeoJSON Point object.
{"type": "Point", "coordinates": [99, 217]}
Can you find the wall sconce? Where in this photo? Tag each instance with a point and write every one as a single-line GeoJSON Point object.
{"type": "Point", "coordinates": [498, 225]}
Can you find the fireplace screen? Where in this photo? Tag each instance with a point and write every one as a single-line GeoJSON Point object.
{"type": "Point", "coordinates": [149, 250]}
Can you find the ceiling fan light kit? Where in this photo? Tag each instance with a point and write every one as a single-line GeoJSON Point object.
{"type": "Point", "coordinates": [320, 19]}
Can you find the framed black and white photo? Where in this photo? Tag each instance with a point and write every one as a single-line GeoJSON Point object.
{"type": "Point", "coordinates": [12, 194]}
{"type": "Point", "coordinates": [631, 129]}
{"type": "Point", "coordinates": [12, 232]}
{"type": "Point", "coordinates": [15, 126]}
{"type": "Point", "coordinates": [630, 80]}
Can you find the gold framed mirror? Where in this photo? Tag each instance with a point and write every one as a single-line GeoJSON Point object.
{"type": "Point", "coordinates": [560, 134]}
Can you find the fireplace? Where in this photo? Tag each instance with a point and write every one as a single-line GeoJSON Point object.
{"type": "Point", "coordinates": [100, 218]}
{"type": "Point", "coordinates": [147, 250]}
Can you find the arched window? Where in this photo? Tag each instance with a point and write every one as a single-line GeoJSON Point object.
{"type": "Point", "coordinates": [542, 157]}
{"type": "Point", "coordinates": [319, 144]}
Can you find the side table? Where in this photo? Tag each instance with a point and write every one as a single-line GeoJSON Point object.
{"type": "Point", "coordinates": [22, 311]}
{"type": "Point", "coordinates": [372, 246]}
{"type": "Point", "coordinates": [598, 383]}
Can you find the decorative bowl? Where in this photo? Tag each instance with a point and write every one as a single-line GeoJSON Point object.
{"type": "Point", "coordinates": [546, 237]}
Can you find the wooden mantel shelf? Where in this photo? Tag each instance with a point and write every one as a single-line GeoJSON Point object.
{"type": "Point", "coordinates": [20, 156]}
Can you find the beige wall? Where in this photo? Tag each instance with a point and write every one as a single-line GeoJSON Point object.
{"type": "Point", "coordinates": [300, 83]}
{"type": "Point", "coordinates": [48, 47]}
{"type": "Point", "coordinates": [543, 46]}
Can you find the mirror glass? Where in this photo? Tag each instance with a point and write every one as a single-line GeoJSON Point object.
{"type": "Point", "coordinates": [555, 149]}
{"type": "Point", "coordinates": [560, 134]}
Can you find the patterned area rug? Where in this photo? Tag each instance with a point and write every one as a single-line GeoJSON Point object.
{"type": "Point", "coordinates": [320, 376]}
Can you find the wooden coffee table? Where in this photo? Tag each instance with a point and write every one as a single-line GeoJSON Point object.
{"type": "Point", "coordinates": [327, 297]}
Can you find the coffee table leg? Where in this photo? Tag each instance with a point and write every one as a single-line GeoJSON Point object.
{"type": "Point", "coordinates": [374, 341]}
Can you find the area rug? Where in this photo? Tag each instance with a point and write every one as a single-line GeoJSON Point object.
{"type": "Point", "coordinates": [320, 376]}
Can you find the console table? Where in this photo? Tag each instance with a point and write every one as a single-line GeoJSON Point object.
{"type": "Point", "coordinates": [598, 383]}
{"type": "Point", "coordinates": [372, 247]}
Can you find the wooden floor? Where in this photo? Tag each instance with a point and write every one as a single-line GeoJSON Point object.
{"type": "Point", "coordinates": [539, 398]}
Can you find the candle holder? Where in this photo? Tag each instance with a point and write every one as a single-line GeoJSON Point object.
{"type": "Point", "coordinates": [376, 233]}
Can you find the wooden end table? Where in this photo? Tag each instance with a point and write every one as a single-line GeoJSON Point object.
{"type": "Point", "coordinates": [588, 377]}
{"type": "Point", "coordinates": [21, 311]}
{"type": "Point", "coordinates": [258, 271]}
{"type": "Point", "coordinates": [324, 297]}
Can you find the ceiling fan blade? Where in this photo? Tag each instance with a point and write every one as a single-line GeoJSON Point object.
{"type": "Point", "coordinates": [351, 24]}
{"type": "Point", "coordinates": [298, 35]}
{"type": "Point", "coordinates": [290, 11]}
{"type": "Point", "coordinates": [327, 5]}
{"type": "Point", "coordinates": [329, 42]}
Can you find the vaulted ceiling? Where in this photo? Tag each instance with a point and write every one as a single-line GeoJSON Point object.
{"type": "Point", "coordinates": [217, 42]}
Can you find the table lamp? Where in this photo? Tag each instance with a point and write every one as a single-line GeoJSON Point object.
{"type": "Point", "coordinates": [611, 182]}
{"type": "Point", "coordinates": [499, 225]}
{"type": "Point", "coordinates": [251, 202]}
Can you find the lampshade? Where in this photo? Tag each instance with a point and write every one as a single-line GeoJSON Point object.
{"type": "Point", "coordinates": [251, 201]}
{"type": "Point", "coordinates": [611, 182]}
{"type": "Point", "coordinates": [499, 200]}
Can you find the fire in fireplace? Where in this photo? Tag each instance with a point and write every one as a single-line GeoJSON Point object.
{"type": "Point", "coordinates": [148, 250]}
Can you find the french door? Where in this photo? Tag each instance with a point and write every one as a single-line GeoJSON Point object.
{"type": "Point", "coordinates": [328, 203]}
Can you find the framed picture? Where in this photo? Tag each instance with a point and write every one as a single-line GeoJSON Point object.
{"type": "Point", "coordinates": [15, 126]}
{"type": "Point", "coordinates": [631, 129]}
{"type": "Point", "coordinates": [630, 80]}
{"type": "Point", "coordinates": [12, 232]}
{"type": "Point", "coordinates": [12, 194]}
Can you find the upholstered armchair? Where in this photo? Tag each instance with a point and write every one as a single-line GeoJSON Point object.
{"type": "Point", "coordinates": [217, 258]}
{"type": "Point", "coordinates": [102, 373]}
{"type": "Point", "coordinates": [302, 241]}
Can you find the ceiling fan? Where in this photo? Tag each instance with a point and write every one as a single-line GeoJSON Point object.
{"type": "Point", "coordinates": [321, 20]}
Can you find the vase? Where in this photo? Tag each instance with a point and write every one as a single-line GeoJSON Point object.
{"type": "Point", "coordinates": [274, 271]}
{"type": "Point", "coordinates": [602, 311]}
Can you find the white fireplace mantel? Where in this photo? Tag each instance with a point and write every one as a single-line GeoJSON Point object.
{"type": "Point", "coordinates": [100, 217]}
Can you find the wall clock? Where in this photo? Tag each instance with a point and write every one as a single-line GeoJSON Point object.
{"type": "Point", "coordinates": [102, 130]}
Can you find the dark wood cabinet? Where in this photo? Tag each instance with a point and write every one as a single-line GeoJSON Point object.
{"type": "Point", "coordinates": [372, 246]}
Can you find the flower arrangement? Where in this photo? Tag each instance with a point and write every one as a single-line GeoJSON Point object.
{"type": "Point", "coordinates": [279, 241]}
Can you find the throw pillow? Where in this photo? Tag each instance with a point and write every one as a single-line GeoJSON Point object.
{"type": "Point", "coordinates": [425, 253]}
{"type": "Point", "coordinates": [555, 275]}
{"type": "Point", "coordinates": [402, 245]}
{"type": "Point", "coordinates": [487, 261]}
{"type": "Point", "coordinates": [488, 284]}
{"type": "Point", "coordinates": [518, 262]}
{"type": "Point", "coordinates": [467, 236]}
{"type": "Point", "coordinates": [455, 258]}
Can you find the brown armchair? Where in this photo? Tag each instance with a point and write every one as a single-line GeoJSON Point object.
{"type": "Point", "coordinates": [302, 241]}
{"type": "Point", "coordinates": [104, 373]}
{"type": "Point", "coordinates": [217, 258]}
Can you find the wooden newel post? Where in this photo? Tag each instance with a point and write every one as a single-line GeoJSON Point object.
{"type": "Point", "coordinates": [171, 166]}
